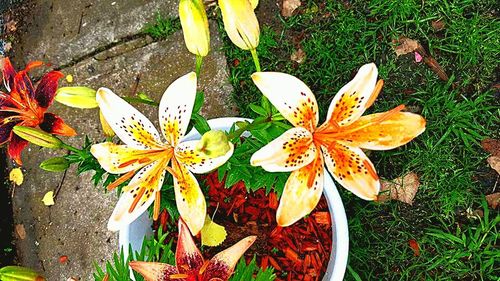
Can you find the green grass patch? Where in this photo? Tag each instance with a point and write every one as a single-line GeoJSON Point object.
{"type": "Point", "coordinates": [162, 27]}
{"type": "Point", "coordinates": [338, 37]}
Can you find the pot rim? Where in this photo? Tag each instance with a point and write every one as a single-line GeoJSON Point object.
{"type": "Point", "coordinates": [340, 232]}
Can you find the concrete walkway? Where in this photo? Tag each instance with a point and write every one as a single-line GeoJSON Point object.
{"type": "Point", "coordinates": [99, 43]}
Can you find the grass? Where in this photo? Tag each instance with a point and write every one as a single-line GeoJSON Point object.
{"type": "Point", "coordinates": [162, 27]}
{"type": "Point", "coordinates": [338, 37]}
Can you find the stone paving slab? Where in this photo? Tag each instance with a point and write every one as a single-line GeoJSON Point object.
{"type": "Point", "coordinates": [60, 31]}
{"type": "Point", "coordinates": [76, 225]}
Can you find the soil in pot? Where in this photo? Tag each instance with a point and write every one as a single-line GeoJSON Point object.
{"type": "Point", "coordinates": [298, 252]}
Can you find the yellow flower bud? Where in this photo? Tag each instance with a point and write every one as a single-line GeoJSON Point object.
{"type": "Point", "coordinates": [213, 144]}
{"type": "Point", "coordinates": [37, 137]}
{"type": "Point", "coordinates": [254, 3]}
{"type": "Point", "coordinates": [106, 129]}
{"type": "Point", "coordinates": [240, 23]}
{"type": "Point", "coordinates": [19, 273]}
{"type": "Point", "coordinates": [195, 26]}
{"type": "Point", "coordinates": [79, 97]}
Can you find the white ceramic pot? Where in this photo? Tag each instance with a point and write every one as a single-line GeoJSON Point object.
{"type": "Point", "coordinates": [141, 227]}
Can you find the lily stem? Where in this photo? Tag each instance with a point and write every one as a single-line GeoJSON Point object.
{"type": "Point", "coordinates": [199, 61]}
{"type": "Point", "coordinates": [139, 100]}
{"type": "Point", "coordinates": [71, 148]}
{"type": "Point", "coordinates": [247, 127]}
{"type": "Point", "coordinates": [265, 102]}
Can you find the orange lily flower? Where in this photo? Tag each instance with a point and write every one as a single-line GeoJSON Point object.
{"type": "Point", "coordinates": [338, 143]}
{"type": "Point", "coordinates": [26, 105]}
{"type": "Point", "coordinates": [147, 156]}
{"type": "Point", "coordinates": [190, 264]}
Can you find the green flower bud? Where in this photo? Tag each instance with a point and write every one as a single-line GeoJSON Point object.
{"type": "Point", "coordinates": [213, 144]}
{"type": "Point", "coordinates": [56, 164]}
{"type": "Point", "coordinates": [38, 137]}
{"type": "Point", "coordinates": [18, 273]}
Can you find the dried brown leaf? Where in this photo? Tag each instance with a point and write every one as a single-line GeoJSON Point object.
{"type": "Point", "coordinates": [298, 56]}
{"type": "Point", "coordinates": [494, 162]}
{"type": "Point", "coordinates": [402, 189]}
{"type": "Point", "coordinates": [406, 45]}
{"type": "Point", "coordinates": [289, 6]}
{"type": "Point", "coordinates": [492, 146]}
{"type": "Point", "coordinates": [20, 231]}
{"type": "Point", "coordinates": [493, 200]}
{"type": "Point", "coordinates": [438, 25]}
{"type": "Point", "coordinates": [11, 26]}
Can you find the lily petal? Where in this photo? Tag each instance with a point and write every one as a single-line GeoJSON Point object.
{"type": "Point", "coordinates": [176, 106]}
{"type": "Point", "coordinates": [22, 82]}
{"type": "Point", "coordinates": [118, 159]}
{"type": "Point", "coordinates": [46, 89]}
{"type": "Point", "coordinates": [353, 99]}
{"type": "Point", "coordinates": [131, 126]}
{"type": "Point", "coordinates": [222, 265]}
{"type": "Point", "coordinates": [395, 131]}
{"type": "Point", "coordinates": [189, 197]}
{"type": "Point", "coordinates": [55, 125]}
{"type": "Point", "coordinates": [196, 161]}
{"type": "Point", "coordinates": [302, 192]}
{"type": "Point", "coordinates": [138, 195]}
{"type": "Point", "coordinates": [8, 73]}
{"type": "Point", "coordinates": [292, 150]}
{"type": "Point", "coordinates": [6, 130]}
{"type": "Point", "coordinates": [15, 147]}
{"type": "Point", "coordinates": [188, 257]}
{"type": "Point", "coordinates": [352, 169]}
{"type": "Point", "coordinates": [154, 271]}
{"type": "Point", "coordinates": [294, 100]}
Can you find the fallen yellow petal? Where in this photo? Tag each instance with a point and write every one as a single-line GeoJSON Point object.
{"type": "Point", "coordinates": [48, 198]}
{"type": "Point", "coordinates": [69, 78]}
{"type": "Point", "coordinates": [212, 234]}
{"type": "Point", "coordinates": [16, 176]}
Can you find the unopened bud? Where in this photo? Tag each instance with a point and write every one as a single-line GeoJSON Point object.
{"type": "Point", "coordinates": [106, 129]}
{"type": "Point", "coordinates": [12, 273]}
{"type": "Point", "coordinates": [79, 97]}
{"type": "Point", "coordinates": [37, 137]}
{"type": "Point", "coordinates": [56, 164]}
{"type": "Point", "coordinates": [213, 144]}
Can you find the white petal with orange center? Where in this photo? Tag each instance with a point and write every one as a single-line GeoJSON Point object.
{"type": "Point", "coordinates": [352, 100]}
{"type": "Point", "coordinates": [189, 198]}
{"type": "Point", "coordinates": [131, 126]}
{"type": "Point", "coordinates": [294, 100]}
{"type": "Point", "coordinates": [352, 169]}
{"type": "Point", "coordinates": [302, 192]}
{"type": "Point", "coordinates": [118, 159]}
{"type": "Point", "coordinates": [138, 195]}
{"type": "Point", "coordinates": [198, 162]}
{"type": "Point", "coordinates": [176, 106]}
{"type": "Point", "coordinates": [397, 130]}
{"type": "Point", "coordinates": [292, 150]}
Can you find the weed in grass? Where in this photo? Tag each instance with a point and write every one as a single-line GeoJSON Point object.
{"type": "Point", "coordinates": [162, 27]}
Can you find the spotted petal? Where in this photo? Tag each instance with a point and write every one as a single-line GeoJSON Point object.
{"type": "Point", "coordinates": [221, 266]}
{"type": "Point", "coordinates": [176, 107]}
{"type": "Point", "coordinates": [396, 130]}
{"type": "Point", "coordinates": [138, 195]}
{"type": "Point", "coordinates": [15, 147]}
{"type": "Point", "coordinates": [55, 125]}
{"type": "Point", "coordinates": [353, 99]}
{"type": "Point", "coordinates": [188, 257]}
{"type": "Point", "coordinates": [352, 169]}
{"type": "Point", "coordinates": [118, 159]}
{"type": "Point", "coordinates": [131, 126]}
{"type": "Point", "coordinates": [46, 89]}
{"type": "Point", "coordinates": [189, 198]}
{"type": "Point", "coordinates": [294, 100]}
{"type": "Point", "coordinates": [197, 162]}
{"type": "Point", "coordinates": [154, 271]}
{"type": "Point", "coordinates": [292, 150]}
{"type": "Point", "coordinates": [302, 192]}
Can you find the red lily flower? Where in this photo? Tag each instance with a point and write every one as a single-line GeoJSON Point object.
{"type": "Point", "coordinates": [26, 105]}
{"type": "Point", "coordinates": [190, 264]}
